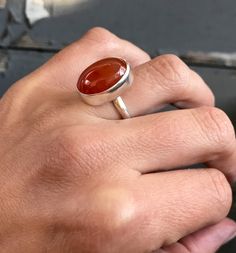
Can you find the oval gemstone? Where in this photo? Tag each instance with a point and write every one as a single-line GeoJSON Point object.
{"type": "Point", "coordinates": [101, 75]}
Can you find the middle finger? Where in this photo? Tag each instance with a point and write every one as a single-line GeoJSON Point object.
{"type": "Point", "coordinates": [173, 139]}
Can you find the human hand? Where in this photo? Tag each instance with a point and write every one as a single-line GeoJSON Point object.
{"type": "Point", "coordinates": [76, 178]}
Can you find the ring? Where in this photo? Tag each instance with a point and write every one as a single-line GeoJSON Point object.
{"type": "Point", "coordinates": [104, 81]}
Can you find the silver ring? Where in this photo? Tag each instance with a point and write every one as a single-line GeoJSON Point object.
{"type": "Point", "coordinates": [104, 81]}
{"type": "Point", "coordinates": [121, 108]}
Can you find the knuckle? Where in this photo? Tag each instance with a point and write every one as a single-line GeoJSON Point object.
{"type": "Point", "coordinates": [114, 209]}
{"type": "Point", "coordinates": [108, 212]}
{"type": "Point", "coordinates": [172, 72]}
{"type": "Point", "coordinates": [220, 190]}
{"type": "Point", "coordinates": [102, 36]}
{"type": "Point", "coordinates": [216, 126]}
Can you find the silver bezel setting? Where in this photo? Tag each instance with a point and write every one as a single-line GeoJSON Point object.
{"type": "Point", "coordinates": [112, 93]}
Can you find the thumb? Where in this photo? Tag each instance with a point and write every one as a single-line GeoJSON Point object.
{"type": "Point", "coordinates": [207, 240]}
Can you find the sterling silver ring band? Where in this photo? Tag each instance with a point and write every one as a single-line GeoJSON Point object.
{"type": "Point", "coordinates": [121, 107]}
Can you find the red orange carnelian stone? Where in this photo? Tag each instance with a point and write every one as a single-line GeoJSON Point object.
{"type": "Point", "coordinates": [101, 75]}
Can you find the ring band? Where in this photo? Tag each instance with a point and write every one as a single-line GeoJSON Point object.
{"type": "Point", "coordinates": [121, 107]}
{"type": "Point", "coordinates": [104, 81]}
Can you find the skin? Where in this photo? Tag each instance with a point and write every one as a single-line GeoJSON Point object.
{"type": "Point", "coordinates": [76, 178]}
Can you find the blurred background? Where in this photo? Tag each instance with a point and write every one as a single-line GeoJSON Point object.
{"type": "Point", "coordinates": [201, 32]}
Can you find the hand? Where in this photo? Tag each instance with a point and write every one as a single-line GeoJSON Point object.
{"type": "Point", "coordinates": [76, 178]}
